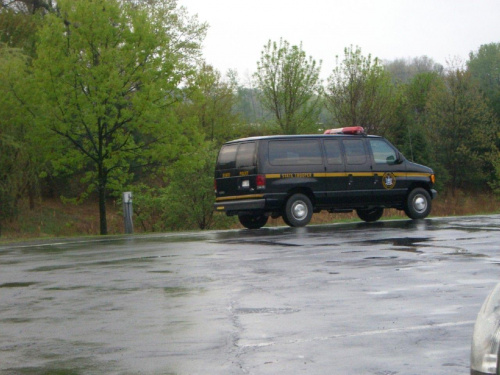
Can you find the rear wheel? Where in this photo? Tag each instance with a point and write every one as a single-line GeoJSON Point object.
{"type": "Point", "coordinates": [371, 214]}
{"type": "Point", "coordinates": [253, 221]}
{"type": "Point", "coordinates": [298, 210]}
{"type": "Point", "coordinates": [418, 204]}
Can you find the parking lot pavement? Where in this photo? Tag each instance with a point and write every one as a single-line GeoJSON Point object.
{"type": "Point", "coordinates": [386, 298]}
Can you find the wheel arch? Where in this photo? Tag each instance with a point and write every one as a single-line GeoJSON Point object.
{"type": "Point", "coordinates": [419, 184]}
{"type": "Point", "coordinates": [301, 190]}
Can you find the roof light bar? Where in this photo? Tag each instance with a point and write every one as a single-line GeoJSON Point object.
{"type": "Point", "coordinates": [349, 130]}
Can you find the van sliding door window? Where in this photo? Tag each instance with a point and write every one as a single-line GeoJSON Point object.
{"type": "Point", "coordinates": [354, 151]}
{"type": "Point", "coordinates": [333, 152]}
{"type": "Point", "coordinates": [300, 152]}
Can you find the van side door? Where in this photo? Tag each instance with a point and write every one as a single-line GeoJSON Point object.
{"type": "Point", "coordinates": [335, 172]}
{"type": "Point", "coordinates": [358, 170]}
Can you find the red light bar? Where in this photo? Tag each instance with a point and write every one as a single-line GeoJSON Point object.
{"type": "Point", "coordinates": [349, 130]}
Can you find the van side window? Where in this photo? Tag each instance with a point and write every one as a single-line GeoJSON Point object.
{"type": "Point", "coordinates": [246, 155]}
{"type": "Point", "coordinates": [227, 157]}
{"type": "Point", "coordinates": [300, 152]}
{"type": "Point", "coordinates": [333, 152]}
{"type": "Point", "coordinates": [354, 151]}
{"type": "Point", "coordinates": [382, 152]}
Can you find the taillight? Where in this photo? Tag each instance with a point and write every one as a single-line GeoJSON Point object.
{"type": "Point", "coordinates": [215, 186]}
{"type": "Point", "coordinates": [260, 181]}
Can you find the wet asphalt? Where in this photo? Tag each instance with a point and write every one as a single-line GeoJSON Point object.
{"type": "Point", "coordinates": [387, 298]}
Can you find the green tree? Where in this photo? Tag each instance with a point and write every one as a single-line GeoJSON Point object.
{"type": "Point", "coordinates": [484, 65]}
{"type": "Point", "coordinates": [404, 70]}
{"type": "Point", "coordinates": [360, 93]}
{"type": "Point", "coordinates": [107, 72]}
{"type": "Point", "coordinates": [190, 193]}
{"type": "Point", "coordinates": [211, 100]}
{"type": "Point", "coordinates": [462, 130]}
{"type": "Point", "coordinates": [20, 156]}
{"type": "Point", "coordinates": [408, 131]}
{"type": "Point", "coordinates": [289, 86]}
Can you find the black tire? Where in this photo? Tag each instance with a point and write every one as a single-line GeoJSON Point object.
{"type": "Point", "coordinates": [298, 210]}
{"type": "Point", "coordinates": [371, 214]}
{"type": "Point", "coordinates": [418, 204]}
{"type": "Point", "coordinates": [253, 221]}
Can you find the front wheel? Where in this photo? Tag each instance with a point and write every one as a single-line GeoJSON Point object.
{"type": "Point", "coordinates": [418, 204]}
{"type": "Point", "coordinates": [253, 221]}
{"type": "Point", "coordinates": [371, 214]}
{"type": "Point", "coordinates": [298, 210]}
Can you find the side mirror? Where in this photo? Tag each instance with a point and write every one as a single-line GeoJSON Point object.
{"type": "Point", "coordinates": [395, 160]}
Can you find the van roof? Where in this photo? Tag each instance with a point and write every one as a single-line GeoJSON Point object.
{"type": "Point", "coordinates": [299, 136]}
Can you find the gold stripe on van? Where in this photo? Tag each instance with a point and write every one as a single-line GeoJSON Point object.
{"type": "Point", "coordinates": [345, 174]}
{"type": "Point", "coordinates": [416, 174]}
{"type": "Point", "coordinates": [336, 174]}
{"type": "Point", "coordinates": [234, 197]}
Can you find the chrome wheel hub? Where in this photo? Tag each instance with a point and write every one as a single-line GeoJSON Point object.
{"type": "Point", "coordinates": [299, 210]}
{"type": "Point", "coordinates": [420, 203]}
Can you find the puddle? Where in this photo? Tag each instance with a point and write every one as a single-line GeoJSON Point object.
{"type": "Point", "coordinates": [398, 241]}
{"type": "Point", "coordinates": [177, 291]}
{"type": "Point", "coordinates": [261, 243]}
{"type": "Point", "coordinates": [17, 285]}
{"type": "Point", "coordinates": [265, 310]}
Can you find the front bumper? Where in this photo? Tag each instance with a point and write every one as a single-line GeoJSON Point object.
{"type": "Point", "coordinates": [434, 193]}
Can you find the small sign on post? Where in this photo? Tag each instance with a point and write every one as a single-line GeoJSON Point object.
{"type": "Point", "coordinates": [127, 212]}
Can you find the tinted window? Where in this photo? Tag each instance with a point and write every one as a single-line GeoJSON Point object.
{"type": "Point", "coordinates": [333, 153]}
{"type": "Point", "coordinates": [246, 155]}
{"type": "Point", "coordinates": [300, 152]}
{"type": "Point", "coordinates": [383, 153]}
{"type": "Point", "coordinates": [354, 151]}
{"type": "Point", "coordinates": [227, 157]}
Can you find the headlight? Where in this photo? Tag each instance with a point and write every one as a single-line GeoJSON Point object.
{"type": "Point", "coordinates": [486, 338]}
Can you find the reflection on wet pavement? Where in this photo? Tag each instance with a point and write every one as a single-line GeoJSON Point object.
{"type": "Point", "coordinates": [384, 298]}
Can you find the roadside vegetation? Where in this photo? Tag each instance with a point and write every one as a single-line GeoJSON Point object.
{"type": "Point", "coordinates": [102, 97]}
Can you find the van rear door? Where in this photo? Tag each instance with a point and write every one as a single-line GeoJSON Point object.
{"type": "Point", "coordinates": [235, 170]}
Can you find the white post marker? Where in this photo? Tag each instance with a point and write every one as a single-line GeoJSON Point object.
{"type": "Point", "coordinates": [127, 212]}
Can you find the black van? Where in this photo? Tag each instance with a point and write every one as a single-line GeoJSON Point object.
{"type": "Point", "coordinates": [339, 171]}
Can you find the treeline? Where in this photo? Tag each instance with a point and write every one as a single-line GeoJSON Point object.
{"type": "Point", "coordinates": [105, 96]}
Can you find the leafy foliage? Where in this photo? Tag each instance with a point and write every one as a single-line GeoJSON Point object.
{"type": "Point", "coordinates": [100, 95]}
{"type": "Point", "coordinates": [289, 86]}
{"type": "Point", "coordinates": [462, 130]}
{"type": "Point", "coordinates": [107, 71]}
{"type": "Point", "coordinates": [484, 65]}
{"type": "Point", "coordinates": [359, 93]}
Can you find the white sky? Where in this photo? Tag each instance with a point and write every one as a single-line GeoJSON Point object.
{"type": "Point", "coordinates": [388, 29]}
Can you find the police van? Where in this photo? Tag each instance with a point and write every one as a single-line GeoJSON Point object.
{"type": "Point", "coordinates": [294, 176]}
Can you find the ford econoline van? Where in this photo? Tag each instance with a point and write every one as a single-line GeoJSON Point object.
{"type": "Point", "coordinates": [295, 176]}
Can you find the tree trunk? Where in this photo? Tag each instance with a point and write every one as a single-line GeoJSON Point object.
{"type": "Point", "coordinates": [101, 188]}
{"type": "Point", "coordinates": [102, 211]}
{"type": "Point", "coordinates": [31, 195]}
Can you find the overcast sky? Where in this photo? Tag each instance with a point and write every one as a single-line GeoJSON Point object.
{"type": "Point", "coordinates": [388, 29]}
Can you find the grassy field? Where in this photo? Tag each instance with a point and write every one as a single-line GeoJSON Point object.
{"type": "Point", "coordinates": [51, 218]}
